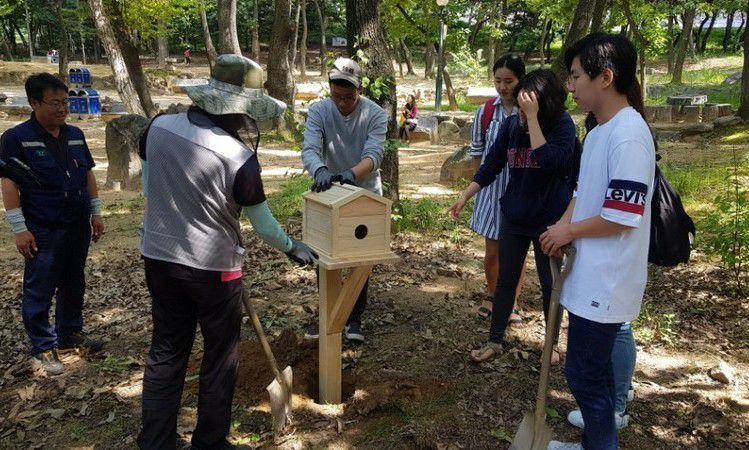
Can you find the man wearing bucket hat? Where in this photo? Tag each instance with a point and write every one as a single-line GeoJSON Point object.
{"type": "Point", "coordinates": [344, 142]}
{"type": "Point", "coordinates": [198, 176]}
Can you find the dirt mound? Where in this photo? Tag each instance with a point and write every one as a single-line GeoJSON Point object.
{"type": "Point", "coordinates": [255, 374]}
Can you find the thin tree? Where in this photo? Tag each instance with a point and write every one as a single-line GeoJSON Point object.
{"type": "Point", "coordinates": [28, 29]}
{"type": "Point", "coordinates": [744, 106]}
{"type": "Point", "coordinates": [303, 49]}
{"type": "Point", "coordinates": [64, 41]}
{"type": "Point", "coordinates": [228, 39]}
{"type": "Point", "coordinates": [255, 31]}
{"type": "Point", "coordinates": [683, 45]}
{"type": "Point", "coordinates": [578, 29]}
{"type": "Point", "coordinates": [280, 83]}
{"type": "Point", "coordinates": [323, 19]}
{"type": "Point", "coordinates": [295, 36]}
{"type": "Point", "coordinates": [407, 57]}
{"type": "Point", "coordinates": [122, 81]}
{"type": "Point", "coordinates": [209, 48]}
{"type": "Point", "coordinates": [363, 22]}
{"type": "Point", "coordinates": [599, 14]}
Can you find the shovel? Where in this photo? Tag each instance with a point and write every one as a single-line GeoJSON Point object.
{"type": "Point", "coordinates": [533, 433]}
{"type": "Point", "coordinates": [280, 388]}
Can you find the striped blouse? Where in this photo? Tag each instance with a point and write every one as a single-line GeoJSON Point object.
{"type": "Point", "coordinates": [486, 213]}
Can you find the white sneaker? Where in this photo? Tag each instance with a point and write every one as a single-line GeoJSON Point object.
{"type": "Point", "coordinates": [576, 419]}
{"type": "Point", "coordinates": [630, 394]}
{"type": "Point", "coordinates": [556, 445]}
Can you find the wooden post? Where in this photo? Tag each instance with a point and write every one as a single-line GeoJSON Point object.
{"type": "Point", "coordinates": [337, 300]}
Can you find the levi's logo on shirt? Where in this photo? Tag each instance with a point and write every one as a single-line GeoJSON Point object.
{"type": "Point", "coordinates": [627, 196]}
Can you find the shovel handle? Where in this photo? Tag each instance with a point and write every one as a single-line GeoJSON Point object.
{"type": "Point", "coordinates": [560, 267]}
{"type": "Point", "coordinates": [261, 336]}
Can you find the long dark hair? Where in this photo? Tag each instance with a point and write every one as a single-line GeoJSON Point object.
{"type": "Point", "coordinates": [600, 51]}
{"type": "Point", "coordinates": [550, 92]}
{"type": "Point", "coordinates": [511, 62]}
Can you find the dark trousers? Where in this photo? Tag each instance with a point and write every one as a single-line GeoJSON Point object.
{"type": "Point", "coordinates": [359, 306]}
{"type": "Point", "coordinates": [55, 271]}
{"type": "Point", "coordinates": [512, 251]}
{"type": "Point", "coordinates": [591, 379]}
{"type": "Point", "coordinates": [181, 299]}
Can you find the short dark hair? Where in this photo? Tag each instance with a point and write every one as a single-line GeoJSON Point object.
{"type": "Point", "coordinates": [343, 83]}
{"type": "Point", "coordinates": [601, 51]}
{"type": "Point", "coordinates": [550, 92]}
{"type": "Point", "coordinates": [512, 62]}
{"type": "Point", "coordinates": [38, 83]}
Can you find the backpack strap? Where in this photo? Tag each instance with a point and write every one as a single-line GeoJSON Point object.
{"type": "Point", "coordinates": [486, 116]}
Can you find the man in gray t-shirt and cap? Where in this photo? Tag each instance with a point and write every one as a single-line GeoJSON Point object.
{"type": "Point", "coordinates": [344, 142]}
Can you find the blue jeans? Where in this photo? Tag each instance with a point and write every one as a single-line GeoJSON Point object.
{"type": "Point", "coordinates": [623, 359]}
{"type": "Point", "coordinates": [56, 269]}
{"type": "Point", "coordinates": [590, 376]}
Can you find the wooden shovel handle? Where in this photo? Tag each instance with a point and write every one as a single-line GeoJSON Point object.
{"type": "Point", "coordinates": [559, 270]}
{"type": "Point", "coordinates": [261, 336]}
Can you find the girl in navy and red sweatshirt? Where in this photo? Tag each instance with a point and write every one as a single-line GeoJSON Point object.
{"type": "Point", "coordinates": [541, 151]}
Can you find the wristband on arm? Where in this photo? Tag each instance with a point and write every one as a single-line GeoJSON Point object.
{"type": "Point", "coordinates": [16, 220]}
{"type": "Point", "coordinates": [96, 206]}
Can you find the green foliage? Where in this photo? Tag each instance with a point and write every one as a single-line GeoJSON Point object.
{"type": "Point", "coordinates": [727, 227]}
{"type": "Point", "coordinates": [468, 63]}
{"type": "Point", "coordinates": [654, 326]}
{"type": "Point", "coordinates": [426, 215]}
{"type": "Point", "coordinates": [392, 146]}
{"type": "Point", "coordinates": [117, 365]}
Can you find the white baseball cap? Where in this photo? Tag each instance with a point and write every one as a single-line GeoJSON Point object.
{"type": "Point", "coordinates": [346, 69]}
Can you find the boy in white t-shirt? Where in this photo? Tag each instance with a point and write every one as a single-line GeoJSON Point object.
{"type": "Point", "coordinates": [608, 222]}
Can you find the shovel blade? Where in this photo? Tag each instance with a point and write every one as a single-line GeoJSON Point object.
{"type": "Point", "coordinates": [280, 400]}
{"type": "Point", "coordinates": [528, 438]}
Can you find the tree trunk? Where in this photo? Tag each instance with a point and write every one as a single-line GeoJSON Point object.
{"type": "Point", "coordinates": [209, 48]}
{"type": "Point", "coordinates": [122, 80]}
{"type": "Point", "coordinates": [83, 44]}
{"type": "Point", "coordinates": [429, 56]}
{"type": "Point", "coordinates": [729, 30]}
{"type": "Point", "coordinates": [28, 30]}
{"type": "Point", "coordinates": [303, 48]}
{"type": "Point", "coordinates": [363, 20]}
{"type": "Point", "coordinates": [6, 47]}
{"type": "Point", "coordinates": [700, 29]}
{"type": "Point", "coordinates": [64, 42]}
{"type": "Point", "coordinates": [97, 50]}
{"type": "Point", "coordinates": [744, 105]}
{"type": "Point", "coordinates": [450, 91]}
{"type": "Point", "coordinates": [684, 41]}
{"type": "Point", "coordinates": [706, 37]}
{"type": "Point", "coordinates": [162, 53]}
{"type": "Point", "coordinates": [490, 57]}
{"type": "Point", "coordinates": [228, 39]}
{"type": "Point", "coordinates": [323, 19]}
{"type": "Point", "coordinates": [670, 49]}
{"type": "Point", "coordinates": [398, 57]}
{"type": "Point", "coordinates": [407, 57]}
{"type": "Point", "coordinates": [255, 31]}
{"type": "Point", "coordinates": [295, 37]}
{"type": "Point", "coordinates": [599, 13]}
{"type": "Point", "coordinates": [280, 83]}
{"type": "Point", "coordinates": [739, 38]}
{"type": "Point", "coordinates": [542, 46]}
{"type": "Point", "coordinates": [578, 29]}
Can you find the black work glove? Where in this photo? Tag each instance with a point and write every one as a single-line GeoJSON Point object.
{"type": "Point", "coordinates": [346, 177]}
{"type": "Point", "coordinates": [323, 180]}
{"type": "Point", "coordinates": [301, 253]}
{"type": "Point", "coordinates": [17, 175]}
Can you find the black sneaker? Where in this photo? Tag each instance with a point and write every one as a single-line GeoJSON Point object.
{"type": "Point", "coordinates": [47, 361]}
{"type": "Point", "coordinates": [312, 331]}
{"type": "Point", "coordinates": [77, 341]}
{"type": "Point", "coordinates": [353, 332]}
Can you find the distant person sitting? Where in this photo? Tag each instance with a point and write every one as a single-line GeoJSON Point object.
{"type": "Point", "coordinates": [188, 56]}
{"type": "Point", "coordinates": [408, 119]}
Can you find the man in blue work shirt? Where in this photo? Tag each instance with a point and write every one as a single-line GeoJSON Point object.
{"type": "Point", "coordinates": [53, 219]}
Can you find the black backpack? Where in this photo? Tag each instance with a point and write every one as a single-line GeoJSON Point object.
{"type": "Point", "coordinates": [672, 231]}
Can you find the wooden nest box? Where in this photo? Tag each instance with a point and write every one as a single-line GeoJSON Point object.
{"type": "Point", "coordinates": [348, 226]}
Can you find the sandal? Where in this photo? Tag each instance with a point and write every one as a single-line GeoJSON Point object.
{"type": "Point", "coordinates": [485, 311]}
{"type": "Point", "coordinates": [487, 352]}
{"type": "Point", "coordinates": [516, 320]}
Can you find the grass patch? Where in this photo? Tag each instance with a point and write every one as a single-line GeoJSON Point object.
{"type": "Point", "coordinates": [287, 202]}
{"type": "Point", "coordinates": [117, 365]}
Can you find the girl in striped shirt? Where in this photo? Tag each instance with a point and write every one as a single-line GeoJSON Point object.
{"type": "Point", "coordinates": [508, 70]}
